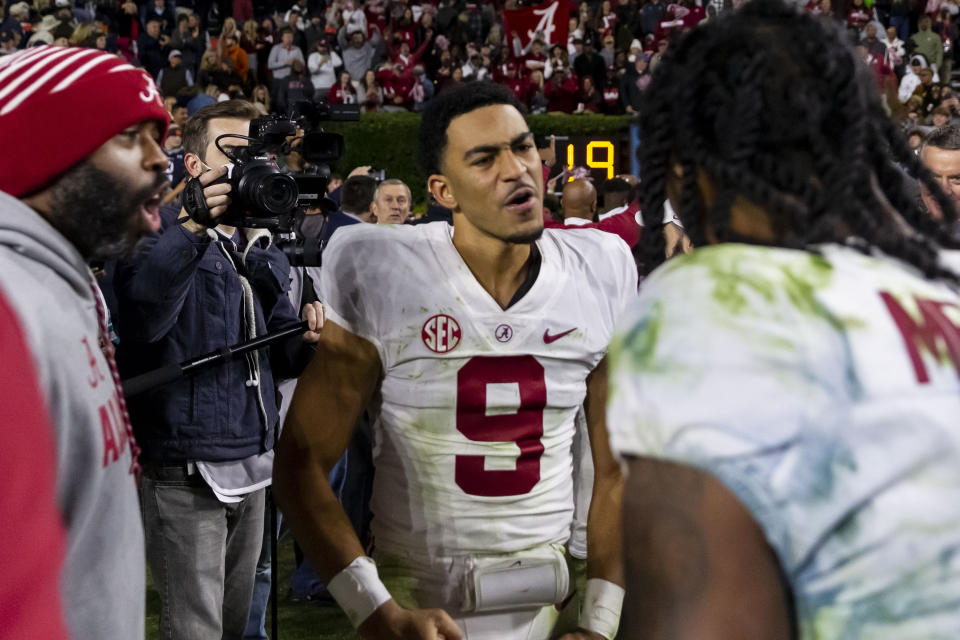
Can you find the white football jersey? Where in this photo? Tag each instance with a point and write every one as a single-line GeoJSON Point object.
{"type": "Point", "coordinates": [823, 391]}
{"type": "Point", "coordinates": [477, 404]}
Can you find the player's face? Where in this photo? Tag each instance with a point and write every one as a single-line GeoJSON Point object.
{"type": "Point", "coordinates": [492, 175]}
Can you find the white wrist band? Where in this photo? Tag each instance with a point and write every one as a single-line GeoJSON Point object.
{"type": "Point", "coordinates": [602, 604]}
{"type": "Point", "coordinates": [358, 590]}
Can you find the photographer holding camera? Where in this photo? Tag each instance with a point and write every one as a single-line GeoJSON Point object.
{"type": "Point", "coordinates": [207, 440]}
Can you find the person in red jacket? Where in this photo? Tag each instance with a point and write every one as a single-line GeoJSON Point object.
{"type": "Point", "coordinates": [511, 79]}
{"type": "Point", "coordinates": [397, 82]}
{"type": "Point", "coordinates": [561, 91]}
{"type": "Point", "coordinates": [536, 59]}
{"type": "Point", "coordinates": [695, 16]}
{"type": "Point", "coordinates": [405, 27]}
{"type": "Point", "coordinates": [625, 224]}
{"type": "Point", "coordinates": [622, 224]}
{"type": "Point", "coordinates": [858, 15]}
{"type": "Point", "coordinates": [588, 97]}
{"type": "Point", "coordinates": [402, 53]}
{"type": "Point", "coordinates": [31, 539]}
{"type": "Point", "coordinates": [343, 92]}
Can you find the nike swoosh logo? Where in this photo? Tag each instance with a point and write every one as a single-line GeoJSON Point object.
{"type": "Point", "coordinates": [547, 338]}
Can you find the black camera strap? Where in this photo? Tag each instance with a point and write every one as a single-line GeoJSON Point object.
{"type": "Point", "coordinates": [196, 204]}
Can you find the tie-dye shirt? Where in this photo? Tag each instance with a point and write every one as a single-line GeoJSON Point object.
{"type": "Point", "coordinates": [823, 391]}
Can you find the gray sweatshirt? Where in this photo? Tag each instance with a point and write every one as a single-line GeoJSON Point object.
{"type": "Point", "coordinates": [357, 61]}
{"type": "Point", "coordinates": [47, 283]}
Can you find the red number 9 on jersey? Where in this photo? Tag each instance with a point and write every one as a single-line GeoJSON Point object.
{"type": "Point", "coordinates": [525, 427]}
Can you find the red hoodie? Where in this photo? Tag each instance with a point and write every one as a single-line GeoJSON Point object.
{"type": "Point", "coordinates": [31, 538]}
{"type": "Point", "coordinates": [622, 224]}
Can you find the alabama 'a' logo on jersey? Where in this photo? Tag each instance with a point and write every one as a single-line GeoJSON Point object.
{"type": "Point", "coordinates": [441, 333]}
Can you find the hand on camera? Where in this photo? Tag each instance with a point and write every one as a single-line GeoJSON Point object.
{"type": "Point", "coordinates": [216, 195]}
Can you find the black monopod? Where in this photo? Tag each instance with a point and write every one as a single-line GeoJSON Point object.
{"type": "Point", "coordinates": [173, 372]}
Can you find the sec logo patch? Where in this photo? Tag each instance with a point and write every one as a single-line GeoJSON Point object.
{"type": "Point", "coordinates": [441, 333]}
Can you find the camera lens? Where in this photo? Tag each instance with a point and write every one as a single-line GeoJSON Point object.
{"type": "Point", "coordinates": [267, 190]}
{"type": "Point", "coordinates": [278, 193]}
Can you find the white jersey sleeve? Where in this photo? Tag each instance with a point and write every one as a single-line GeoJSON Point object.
{"type": "Point", "coordinates": [822, 391]}
{"type": "Point", "coordinates": [361, 258]}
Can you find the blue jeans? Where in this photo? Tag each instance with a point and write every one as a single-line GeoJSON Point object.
{"type": "Point", "coordinates": [257, 619]}
{"type": "Point", "coordinates": [202, 553]}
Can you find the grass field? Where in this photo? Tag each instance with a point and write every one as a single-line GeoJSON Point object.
{"type": "Point", "coordinates": [297, 621]}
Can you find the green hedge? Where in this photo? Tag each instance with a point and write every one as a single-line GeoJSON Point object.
{"type": "Point", "coordinates": [389, 141]}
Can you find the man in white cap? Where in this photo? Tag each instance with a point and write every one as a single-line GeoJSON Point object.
{"type": "Point", "coordinates": [17, 14]}
{"type": "Point", "coordinates": [175, 76]}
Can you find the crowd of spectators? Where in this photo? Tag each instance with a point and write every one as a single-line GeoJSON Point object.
{"type": "Point", "coordinates": [392, 55]}
{"type": "Point", "coordinates": [908, 45]}
{"type": "Point", "coordinates": [383, 55]}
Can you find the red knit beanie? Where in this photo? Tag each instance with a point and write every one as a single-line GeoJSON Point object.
{"type": "Point", "coordinates": [60, 104]}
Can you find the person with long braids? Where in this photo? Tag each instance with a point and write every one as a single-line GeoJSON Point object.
{"type": "Point", "coordinates": [785, 397]}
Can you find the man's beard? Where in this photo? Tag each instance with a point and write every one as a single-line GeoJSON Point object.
{"type": "Point", "coordinates": [521, 237]}
{"type": "Point", "coordinates": [524, 238]}
{"type": "Point", "coordinates": [98, 213]}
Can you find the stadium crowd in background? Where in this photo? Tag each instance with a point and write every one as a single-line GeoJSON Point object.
{"type": "Point", "coordinates": [392, 55]}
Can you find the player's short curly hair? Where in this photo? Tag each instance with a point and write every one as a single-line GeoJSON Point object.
{"type": "Point", "coordinates": [772, 105]}
{"type": "Point", "coordinates": [449, 104]}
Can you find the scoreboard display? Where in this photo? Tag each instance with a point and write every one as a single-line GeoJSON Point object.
{"type": "Point", "coordinates": [600, 155]}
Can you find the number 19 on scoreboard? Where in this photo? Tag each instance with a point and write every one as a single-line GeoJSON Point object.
{"type": "Point", "coordinates": [598, 155]}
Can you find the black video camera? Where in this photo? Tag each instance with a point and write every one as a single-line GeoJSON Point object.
{"type": "Point", "coordinates": [264, 195]}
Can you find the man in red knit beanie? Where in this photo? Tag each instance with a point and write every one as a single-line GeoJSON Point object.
{"type": "Point", "coordinates": [81, 177]}
{"type": "Point", "coordinates": [96, 178]}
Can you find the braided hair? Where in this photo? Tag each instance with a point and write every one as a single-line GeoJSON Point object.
{"type": "Point", "coordinates": [773, 106]}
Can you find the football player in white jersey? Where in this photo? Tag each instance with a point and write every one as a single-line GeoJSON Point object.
{"type": "Point", "coordinates": [474, 346]}
{"type": "Point", "coordinates": [786, 396]}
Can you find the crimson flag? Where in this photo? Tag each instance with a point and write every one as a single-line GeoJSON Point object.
{"type": "Point", "coordinates": [552, 19]}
